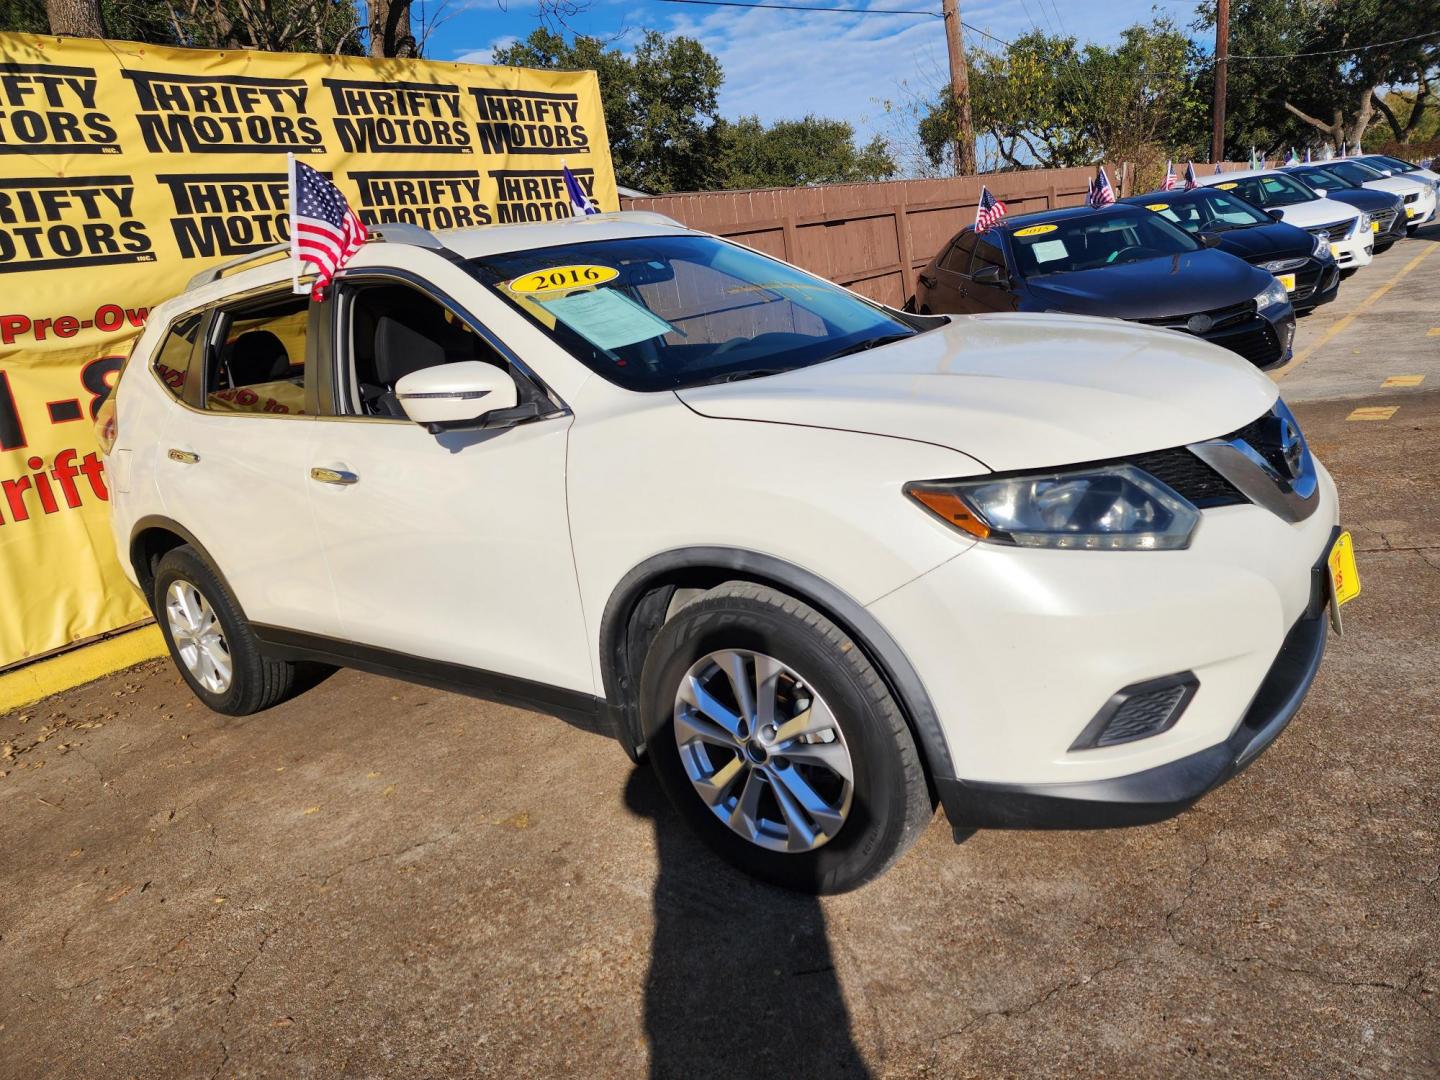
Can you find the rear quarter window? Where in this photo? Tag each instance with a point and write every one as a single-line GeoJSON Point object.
{"type": "Point", "coordinates": [172, 359]}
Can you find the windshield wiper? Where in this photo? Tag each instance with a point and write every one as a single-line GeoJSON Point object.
{"type": "Point", "coordinates": [745, 373]}
{"type": "Point", "coordinates": [869, 343]}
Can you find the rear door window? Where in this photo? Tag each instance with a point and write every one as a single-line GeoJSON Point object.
{"type": "Point", "coordinates": [255, 361]}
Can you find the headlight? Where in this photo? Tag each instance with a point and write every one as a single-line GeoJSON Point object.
{"type": "Point", "coordinates": [1107, 508]}
{"type": "Point", "coordinates": [1322, 247]}
{"type": "Point", "coordinates": [1272, 295]}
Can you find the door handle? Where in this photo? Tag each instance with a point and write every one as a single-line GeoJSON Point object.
{"type": "Point", "coordinates": [184, 457]}
{"type": "Point", "coordinates": [928, 282]}
{"type": "Point", "coordinates": [334, 476]}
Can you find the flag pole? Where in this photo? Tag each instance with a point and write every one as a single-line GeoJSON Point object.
{"type": "Point", "coordinates": [294, 254]}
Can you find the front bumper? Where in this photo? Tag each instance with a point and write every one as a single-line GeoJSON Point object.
{"type": "Point", "coordinates": [1019, 649]}
{"type": "Point", "coordinates": [1162, 791]}
{"type": "Point", "coordinates": [1354, 251]}
{"type": "Point", "coordinates": [1421, 211]}
{"type": "Point", "coordinates": [1317, 284]}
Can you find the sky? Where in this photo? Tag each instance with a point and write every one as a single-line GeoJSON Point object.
{"type": "Point", "coordinates": [785, 64]}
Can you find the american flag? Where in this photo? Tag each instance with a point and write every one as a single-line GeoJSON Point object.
{"type": "Point", "coordinates": [1101, 193]}
{"type": "Point", "coordinates": [989, 211]}
{"type": "Point", "coordinates": [324, 231]}
{"type": "Point", "coordinates": [580, 203]}
{"type": "Point", "coordinates": [1191, 180]}
{"type": "Point", "coordinates": [1170, 178]}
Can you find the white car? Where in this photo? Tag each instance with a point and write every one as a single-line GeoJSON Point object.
{"type": "Point", "coordinates": [821, 562]}
{"type": "Point", "coordinates": [1420, 187]}
{"type": "Point", "coordinates": [1287, 199]}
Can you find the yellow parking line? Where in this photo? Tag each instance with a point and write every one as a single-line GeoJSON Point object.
{"type": "Point", "coordinates": [1374, 412]}
{"type": "Point", "coordinates": [1403, 380]}
{"type": "Point", "coordinates": [1340, 324]}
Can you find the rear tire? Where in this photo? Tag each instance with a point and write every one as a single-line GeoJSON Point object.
{"type": "Point", "coordinates": [806, 824]}
{"type": "Point", "coordinates": [210, 641]}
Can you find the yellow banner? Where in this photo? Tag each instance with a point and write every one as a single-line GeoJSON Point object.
{"type": "Point", "coordinates": [125, 169]}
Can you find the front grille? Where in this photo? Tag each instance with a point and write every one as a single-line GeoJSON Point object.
{"type": "Point", "coordinates": [1220, 318]}
{"type": "Point", "coordinates": [1258, 344]}
{"type": "Point", "coordinates": [1261, 437]}
{"type": "Point", "coordinates": [1338, 231]}
{"type": "Point", "coordinates": [1386, 218]}
{"type": "Point", "coordinates": [1189, 477]}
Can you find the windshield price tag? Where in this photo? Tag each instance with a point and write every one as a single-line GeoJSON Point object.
{"type": "Point", "coordinates": [560, 278]}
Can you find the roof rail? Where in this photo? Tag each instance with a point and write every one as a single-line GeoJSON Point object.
{"type": "Point", "coordinates": [393, 232]}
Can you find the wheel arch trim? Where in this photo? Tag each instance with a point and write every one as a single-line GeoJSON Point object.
{"type": "Point", "coordinates": [851, 616]}
{"type": "Point", "coordinates": [154, 522]}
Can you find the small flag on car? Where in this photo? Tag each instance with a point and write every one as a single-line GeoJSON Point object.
{"type": "Point", "coordinates": [1219, 168]}
{"type": "Point", "coordinates": [1307, 155]}
{"type": "Point", "coordinates": [324, 231]}
{"type": "Point", "coordinates": [1170, 178]}
{"type": "Point", "coordinates": [1191, 181]}
{"type": "Point", "coordinates": [989, 211]}
{"type": "Point", "coordinates": [1255, 162]}
{"type": "Point", "coordinates": [580, 203]}
{"type": "Point", "coordinates": [1293, 159]}
{"type": "Point", "coordinates": [1101, 193]}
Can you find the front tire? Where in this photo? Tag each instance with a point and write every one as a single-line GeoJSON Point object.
{"type": "Point", "coordinates": [779, 742]}
{"type": "Point", "coordinates": [210, 641]}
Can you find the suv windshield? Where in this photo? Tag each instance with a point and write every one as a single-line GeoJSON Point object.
{"type": "Point", "coordinates": [1214, 211]}
{"type": "Point", "coordinates": [1274, 189]}
{"type": "Point", "coordinates": [1094, 241]}
{"type": "Point", "coordinates": [667, 312]}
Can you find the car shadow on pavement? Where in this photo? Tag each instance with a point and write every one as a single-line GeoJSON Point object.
{"type": "Point", "coordinates": [741, 981]}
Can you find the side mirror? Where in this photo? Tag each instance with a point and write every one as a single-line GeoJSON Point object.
{"type": "Point", "coordinates": [1321, 193]}
{"type": "Point", "coordinates": [1278, 215]}
{"type": "Point", "coordinates": [1207, 239]}
{"type": "Point", "coordinates": [449, 396]}
{"type": "Point", "coordinates": [990, 275]}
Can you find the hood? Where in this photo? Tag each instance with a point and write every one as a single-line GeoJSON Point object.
{"type": "Point", "coordinates": [1395, 185]}
{"type": "Point", "coordinates": [1151, 288]}
{"type": "Point", "coordinates": [1015, 391]}
{"type": "Point", "coordinates": [1259, 243]}
{"type": "Point", "coordinates": [1325, 211]}
{"type": "Point", "coordinates": [1365, 199]}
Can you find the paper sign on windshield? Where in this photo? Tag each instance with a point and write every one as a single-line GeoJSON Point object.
{"type": "Point", "coordinates": [606, 318]}
{"type": "Point", "coordinates": [556, 278]}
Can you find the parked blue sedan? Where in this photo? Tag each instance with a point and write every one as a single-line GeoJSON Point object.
{"type": "Point", "coordinates": [1121, 261]}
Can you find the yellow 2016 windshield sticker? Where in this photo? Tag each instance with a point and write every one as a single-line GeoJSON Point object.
{"type": "Point", "coordinates": [559, 278]}
{"type": "Point", "coordinates": [1157, 206]}
{"type": "Point", "coordinates": [1036, 230]}
{"type": "Point", "coordinates": [1226, 187]}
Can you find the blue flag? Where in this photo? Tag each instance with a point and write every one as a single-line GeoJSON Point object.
{"type": "Point", "coordinates": [580, 203]}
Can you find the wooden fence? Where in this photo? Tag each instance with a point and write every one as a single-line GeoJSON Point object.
{"type": "Point", "coordinates": [873, 237]}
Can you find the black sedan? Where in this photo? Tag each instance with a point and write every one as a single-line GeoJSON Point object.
{"type": "Point", "coordinates": [1299, 261]}
{"type": "Point", "coordinates": [1121, 261]}
{"type": "Point", "coordinates": [1387, 211]}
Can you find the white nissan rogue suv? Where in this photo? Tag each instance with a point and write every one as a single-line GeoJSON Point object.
{"type": "Point", "coordinates": [822, 563]}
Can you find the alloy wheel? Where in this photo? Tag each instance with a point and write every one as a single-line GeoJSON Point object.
{"type": "Point", "coordinates": [763, 750]}
{"type": "Point", "coordinates": [199, 639]}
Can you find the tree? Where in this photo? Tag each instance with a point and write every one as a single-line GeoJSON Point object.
{"type": "Point", "coordinates": [792, 153]}
{"type": "Point", "coordinates": [1332, 61]}
{"type": "Point", "coordinates": [659, 102]}
{"type": "Point", "coordinates": [1411, 115]}
{"type": "Point", "coordinates": [78, 18]}
{"type": "Point", "coordinates": [389, 26]}
{"type": "Point", "coordinates": [1044, 101]}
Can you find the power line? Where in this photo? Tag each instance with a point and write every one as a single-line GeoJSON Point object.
{"type": "Point", "coordinates": [1008, 44]}
{"type": "Point", "coordinates": [1334, 52]}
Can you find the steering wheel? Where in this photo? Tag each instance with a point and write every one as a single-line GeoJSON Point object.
{"type": "Point", "coordinates": [730, 344]}
{"type": "Point", "coordinates": [1122, 251]}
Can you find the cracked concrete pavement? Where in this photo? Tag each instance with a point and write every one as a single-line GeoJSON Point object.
{"type": "Point", "coordinates": [376, 879]}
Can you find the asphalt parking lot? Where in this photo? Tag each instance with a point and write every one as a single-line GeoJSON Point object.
{"type": "Point", "coordinates": [376, 879]}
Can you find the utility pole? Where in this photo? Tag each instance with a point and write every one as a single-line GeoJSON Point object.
{"type": "Point", "coordinates": [1222, 65]}
{"type": "Point", "coordinates": [960, 89]}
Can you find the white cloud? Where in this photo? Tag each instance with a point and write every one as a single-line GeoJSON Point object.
{"type": "Point", "coordinates": [486, 55]}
